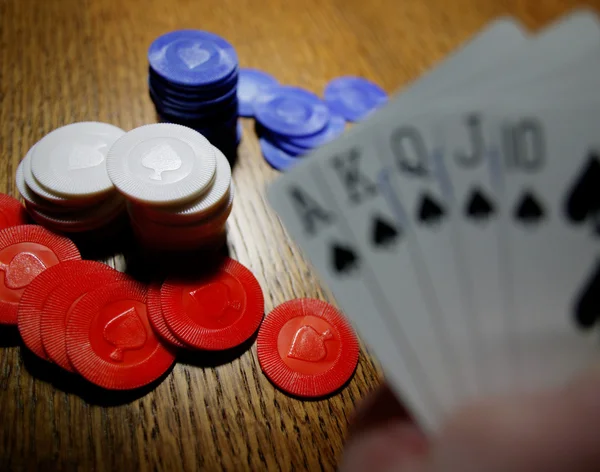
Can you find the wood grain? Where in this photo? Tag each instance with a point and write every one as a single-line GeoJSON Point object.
{"type": "Point", "coordinates": [71, 60]}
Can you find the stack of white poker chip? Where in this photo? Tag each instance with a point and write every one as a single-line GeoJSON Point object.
{"type": "Point", "coordinates": [178, 187]}
{"type": "Point", "coordinates": [64, 181]}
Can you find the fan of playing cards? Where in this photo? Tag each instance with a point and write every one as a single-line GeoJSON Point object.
{"type": "Point", "coordinates": [456, 227]}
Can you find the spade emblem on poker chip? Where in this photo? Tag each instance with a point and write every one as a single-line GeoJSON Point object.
{"type": "Point", "coordinates": [309, 345]}
{"type": "Point", "coordinates": [84, 156]}
{"type": "Point", "coordinates": [529, 209]}
{"type": "Point", "coordinates": [216, 298]}
{"type": "Point", "coordinates": [161, 158]}
{"type": "Point", "coordinates": [344, 259]}
{"type": "Point", "coordinates": [479, 206]}
{"type": "Point", "coordinates": [194, 56]}
{"type": "Point", "coordinates": [125, 332]}
{"type": "Point", "coordinates": [21, 270]}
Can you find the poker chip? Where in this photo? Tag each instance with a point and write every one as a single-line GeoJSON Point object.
{"type": "Point", "coordinates": [291, 111]}
{"type": "Point", "coordinates": [61, 302]}
{"type": "Point", "coordinates": [334, 129]}
{"type": "Point", "coordinates": [192, 81]}
{"type": "Point", "coordinates": [354, 98]}
{"type": "Point", "coordinates": [205, 205]}
{"type": "Point", "coordinates": [31, 198]}
{"type": "Point", "coordinates": [84, 220]}
{"type": "Point", "coordinates": [25, 252]}
{"type": "Point", "coordinates": [251, 83]}
{"type": "Point", "coordinates": [34, 185]}
{"type": "Point", "coordinates": [203, 235]}
{"type": "Point", "coordinates": [76, 213]}
{"type": "Point", "coordinates": [12, 213]}
{"type": "Point", "coordinates": [71, 160]}
{"type": "Point", "coordinates": [288, 147]}
{"type": "Point", "coordinates": [162, 164]}
{"type": "Point", "coordinates": [110, 341]}
{"type": "Point", "coordinates": [307, 348]}
{"type": "Point", "coordinates": [216, 311]}
{"type": "Point", "coordinates": [192, 57]}
{"type": "Point", "coordinates": [155, 316]}
{"type": "Point", "coordinates": [35, 295]}
{"type": "Point", "coordinates": [277, 158]}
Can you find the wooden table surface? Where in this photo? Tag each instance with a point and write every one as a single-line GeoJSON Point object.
{"type": "Point", "coordinates": [73, 60]}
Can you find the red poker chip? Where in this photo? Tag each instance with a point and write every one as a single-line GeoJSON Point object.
{"type": "Point", "coordinates": [33, 300]}
{"type": "Point", "coordinates": [155, 316]}
{"type": "Point", "coordinates": [62, 301]}
{"type": "Point", "coordinates": [307, 348]}
{"type": "Point", "coordinates": [216, 311]}
{"type": "Point", "coordinates": [12, 213]}
{"type": "Point", "coordinates": [25, 252]}
{"type": "Point", "coordinates": [110, 341]}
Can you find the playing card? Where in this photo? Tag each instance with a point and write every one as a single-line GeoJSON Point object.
{"type": "Point", "coordinates": [310, 214]}
{"type": "Point", "coordinates": [549, 162]}
{"type": "Point", "coordinates": [385, 239]}
{"type": "Point", "coordinates": [374, 321]}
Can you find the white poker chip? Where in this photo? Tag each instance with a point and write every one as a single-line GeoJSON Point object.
{"type": "Point", "coordinates": [34, 185]}
{"type": "Point", "coordinates": [162, 164]}
{"type": "Point", "coordinates": [71, 160]}
{"type": "Point", "coordinates": [28, 195]}
{"type": "Point", "coordinates": [84, 220]}
{"type": "Point", "coordinates": [206, 204]}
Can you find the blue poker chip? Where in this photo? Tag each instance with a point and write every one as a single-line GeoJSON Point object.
{"type": "Point", "coordinates": [291, 111]}
{"type": "Point", "coordinates": [221, 106]}
{"type": "Point", "coordinates": [292, 149]}
{"type": "Point", "coordinates": [334, 129]}
{"type": "Point", "coordinates": [212, 116]}
{"type": "Point", "coordinates": [251, 83]}
{"type": "Point", "coordinates": [354, 97]}
{"type": "Point", "coordinates": [192, 58]}
{"type": "Point", "coordinates": [276, 158]}
{"type": "Point", "coordinates": [202, 92]}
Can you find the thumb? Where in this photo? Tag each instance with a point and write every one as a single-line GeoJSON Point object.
{"type": "Point", "coordinates": [554, 432]}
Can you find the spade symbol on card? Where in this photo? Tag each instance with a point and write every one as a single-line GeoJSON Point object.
{"type": "Point", "coordinates": [587, 304]}
{"type": "Point", "coordinates": [344, 259]}
{"type": "Point", "coordinates": [385, 234]}
{"type": "Point", "coordinates": [479, 206]}
{"type": "Point", "coordinates": [430, 211]}
{"type": "Point", "coordinates": [583, 198]}
{"type": "Point", "coordinates": [529, 210]}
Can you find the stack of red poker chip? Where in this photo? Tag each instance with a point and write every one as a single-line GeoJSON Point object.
{"type": "Point", "coordinates": [64, 182]}
{"type": "Point", "coordinates": [178, 187]}
{"type": "Point", "coordinates": [93, 320]}
{"type": "Point", "coordinates": [214, 311]}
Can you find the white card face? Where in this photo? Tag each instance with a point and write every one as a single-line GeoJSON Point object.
{"type": "Point", "coordinates": [412, 190]}
{"type": "Point", "coordinates": [472, 189]}
{"type": "Point", "coordinates": [312, 217]}
{"type": "Point", "coordinates": [386, 241]}
{"type": "Point", "coordinates": [557, 48]}
{"type": "Point", "coordinates": [552, 255]}
{"type": "Point", "coordinates": [490, 46]}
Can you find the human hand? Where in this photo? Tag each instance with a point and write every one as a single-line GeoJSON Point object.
{"type": "Point", "coordinates": [555, 431]}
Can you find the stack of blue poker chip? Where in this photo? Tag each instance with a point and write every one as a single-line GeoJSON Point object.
{"type": "Point", "coordinates": [291, 122]}
{"type": "Point", "coordinates": [193, 79]}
